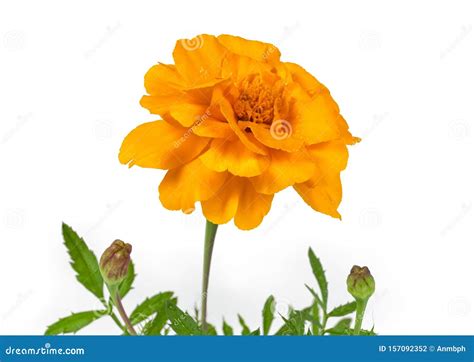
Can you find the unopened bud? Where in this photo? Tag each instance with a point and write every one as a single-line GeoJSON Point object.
{"type": "Point", "coordinates": [360, 283]}
{"type": "Point", "coordinates": [114, 262]}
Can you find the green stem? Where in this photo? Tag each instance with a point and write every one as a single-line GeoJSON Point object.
{"type": "Point", "coordinates": [113, 316]}
{"type": "Point", "coordinates": [360, 310]}
{"type": "Point", "coordinates": [209, 237]}
{"type": "Point", "coordinates": [117, 321]}
{"type": "Point", "coordinates": [114, 293]}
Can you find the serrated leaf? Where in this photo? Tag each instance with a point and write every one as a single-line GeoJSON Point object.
{"type": "Point", "coordinates": [341, 328]}
{"type": "Point", "coordinates": [267, 314]}
{"type": "Point", "coordinates": [343, 310]}
{"type": "Point", "coordinates": [127, 284]}
{"type": "Point", "coordinates": [320, 276]}
{"type": "Point", "coordinates": [84, 262]}
{"type": "Point", "coordinates": [74, 322]}
{"type": "Point", "coordinates": [149, 306]}
{"type": "Point", "coordinates": [315, 295]}
{"type": "Point", "coordinates": [245, 328]}
{"type": "Point", "coordinates": [227, 329]}
{"type": "Point", "coordinates": [156, 325]}
{"type": "Point", "coordinates": [181, 322]}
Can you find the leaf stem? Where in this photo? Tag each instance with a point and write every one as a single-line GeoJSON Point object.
{"type": "Point", "coordinates": [361, 305]}
{"type": "Point", "coordinates": [209, 237]}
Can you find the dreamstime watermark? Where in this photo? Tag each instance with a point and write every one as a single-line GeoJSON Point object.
{"type": "Point", "coordinates": [281, 129]}
{"type": "Point", "coordinates": [20, 300]}
{"type": "Point", "coordinates": [14, 219]}
{"type": "Point", "coordinates": [370, 40]}
{"type": "Point", "coordinates": [370, 218]}
{"type": "Point", "coordinates": [459, 130]}
{"type": "Point", "coordinates": [103, 130]}
{"type": "Point", "coordinates": [465, 31]}
{"type": "Point", "coordinates": [459, 307]}
{"type": "Point", "coordinates": [14, 40]}
{"type": "Point", "coordinates": [465, 209]}
{"type": "Point", "coordinates": [199, 120]}
{"type": "Point", "coordinates": [192, 44]}
{"type": "Point", "coordinates": [109, 32]}
{"type": "Point", "coordinates": [45, 350]}
{"type": "Point", "coordinates": [377, 120]}
{"type": "Point", "coordinates": [21, 120]}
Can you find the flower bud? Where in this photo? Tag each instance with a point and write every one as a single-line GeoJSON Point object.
{"type": "Point", "coordinates": [114, 262]}
{"type": "Point", "coordinates": [360, 283]}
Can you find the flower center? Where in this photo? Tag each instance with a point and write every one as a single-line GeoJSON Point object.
{"type": "Point", "coordinates": [257, 101]}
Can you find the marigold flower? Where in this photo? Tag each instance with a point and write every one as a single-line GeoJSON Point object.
{"type": "Point", "coordinates": [237, 126]}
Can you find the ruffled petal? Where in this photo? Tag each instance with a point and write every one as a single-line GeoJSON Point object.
{"type": "Point", "coordinates": [199, 60]}
{"type": "Point", "coordinates": [160, 144]}
{"type": "Point", "coordinates": [231, 155]}
{"type": "Point", "coordinates": [183, 186]}
{"type": "Point", "coordinates": [323, 191]}
{"type": "Point", "coordinates": [279, 136]}
{"type": "Point", "coordinates": [286, 169]}
{"type": "Point", "coordinates": [225, 108]}
{"type": "Point", "coordinates": [309, 83]}
{"type": "Point", "coordinates": [263, 52]}
{"type": "Point", "coordinates": [316, 120]}
{"type": "Point", "coordinates": [238, 199]}
{"type": "Point", "coordinates": [252, 207]}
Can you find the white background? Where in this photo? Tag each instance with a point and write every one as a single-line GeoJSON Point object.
{"type": "Point", "coordinates": [71, 77]}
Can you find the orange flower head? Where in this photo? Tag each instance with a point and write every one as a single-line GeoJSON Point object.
{"type": "Point", "coordinates": [237, 126]}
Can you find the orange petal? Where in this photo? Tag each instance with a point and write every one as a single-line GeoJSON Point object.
{"type": "Point", "coordinates": [163, 79]}
{"type": "Point", "coordinates": [228, 113]}
{"type": "Point", "coordinates": [184, 106]}
{"type": "Point", "coordinates": [199, 59]}
{"type": "Point", "coordinates": [285, 170]}
{"type": "Point", "coordinates": [252, 207]}
{"type": "Point", "coordinates": [271, 136]}
{"type": "Point", "coordinates": [263, 52]}
{"type": "Point", "coordinates": [238, 67]}
{"type": "Point", "coordinates": [309, 83]}
{"type": "Point", "coordinates": [330, 155]}
{"type": "Point", "coordinates": [160, 145]}
{"type": "Point", "coordinates": [316, 120]}
{"type": "Point", "coordinates": [183, 186]}
{"type": "Point", "coordinates": [237, 198]}
{"type": "Point", "coordinates": [323, 191]}
{"type": "Point", "coordinates": [231, 155]}
{"type": "Point", "coordinates": [210, 127]}
{"type": "Point", "coordinates": [323, 194]}
{"type": "Point", "coordinates": [221, 208]}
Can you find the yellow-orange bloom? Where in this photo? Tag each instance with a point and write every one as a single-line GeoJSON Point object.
{"type": "Point", "coordinates": [238, 125]}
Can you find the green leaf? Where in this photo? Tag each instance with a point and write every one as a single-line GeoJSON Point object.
{"type": "Point", "coordinates": [341, 328]}
{"type": "Point", "coordinates": [74, 322]}
{"type": "Point", "coordinates": [255, 332]}
{"type": "Point", "coordinates": [267, 314]}
{"type": "Point", "coordinates": [126, 285]}
{"type": "Point", "coordinates": [245, 328]}
{"type": "Point", "coordinates": [315, 323]}
{"type": "Point", "coordinates": [156, 325]}
{"type": "Point", "coordinates": [84, 262]}
{"type": "Point", "coordinates": [318, 272]}
{"type": "Point", "coordinates": [315, 295]}
{"type": "Point", "coordinates": [227, 329]}
{"type": "Point", "coordinates": [182, 323]}
{"type": "Point", "coordinates": [149, 306]}
{"type": "Point", "coordinates": [211, 330]}
{"type": "Point", "coordinates": [343, 310]}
